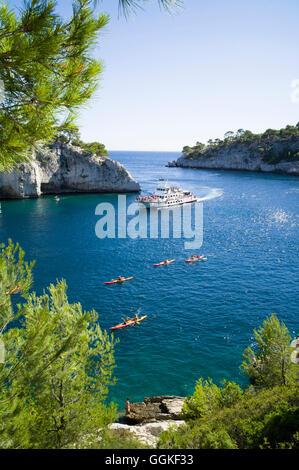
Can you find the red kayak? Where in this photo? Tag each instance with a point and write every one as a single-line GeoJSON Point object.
{"type": "Point", "coordinates": [128, 323]}
{"type": "Point", "coordinates": [164, 262]}
{"type": "Point", "coordinates": [115, 281]}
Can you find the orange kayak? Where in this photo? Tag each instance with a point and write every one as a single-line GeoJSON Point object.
{"type": "Point", "coordinates": [164, 262]}
{"type": "Point", "coordinates": [198, 258]}
{"type": "Point", "coordinates": [116, 281]}
{"type": "Point", "coordinates": [128, 323]}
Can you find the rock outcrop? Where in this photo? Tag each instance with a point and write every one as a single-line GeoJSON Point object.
{"type": "Point", "coordinates": [160, 408]}
{"type": "Point", "coordinates": [62, 168]}
{"type": "Point", "coordinates": [148, 419]}
{"type": "Point", "coordinates": [242, 157]}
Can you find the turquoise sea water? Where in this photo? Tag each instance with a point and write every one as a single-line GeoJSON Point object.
{"type": "Point", "coordinates": [200, 316]}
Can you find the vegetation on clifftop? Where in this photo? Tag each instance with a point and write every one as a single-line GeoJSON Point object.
{"type": "Point", "coordinates": [263, 144]}
{"type": "Point", "coordinates": [95, 148]}
{"type": "Point", "coordinates": [73, 137]}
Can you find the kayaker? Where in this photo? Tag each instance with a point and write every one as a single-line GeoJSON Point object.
{"type": "Point", "coordinates": [127, 320]}
{"type": "Point", "coordinates": [166, 261]}
{"type": "Point", "coordinates": [127, 406]}
{"type": "Point", "coordinates": [120, 278]}
{"type": "Point", "coordinates": [135, 318]}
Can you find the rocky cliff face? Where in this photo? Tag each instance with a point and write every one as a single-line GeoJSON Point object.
{"type": "Point", "coordinates": [61, 168]}
{"type": "Point", "coordinates": [242, 157]}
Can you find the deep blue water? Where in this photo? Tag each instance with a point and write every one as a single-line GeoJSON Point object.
{"type": "Point", "coordinates": [200, 316]}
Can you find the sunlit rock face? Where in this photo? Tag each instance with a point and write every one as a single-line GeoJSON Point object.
{"type": "Point", "coordinates": [62, 168]}
{"type": "Point", "coordinates": [242, 157]}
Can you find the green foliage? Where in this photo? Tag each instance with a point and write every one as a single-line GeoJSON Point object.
{"type": "Point", "coordinates": [15, 279]}
{"type": "Point", "coordinates": [269, 416]}
{"type": "Point", "coordinates": [186, 150]}
{"type": "Point", "coordinates": [271, 364]}
{"type": "Point", "coordinates": [208, 397]}
{"type": "Point", "coordinates": [58, 366]}
{"type": "Point", "coordinates": [93, 147]}
{"type": "Point", "coordinates": [47, 70]}
{"type": "Point", "coordinates": [128, 6]}
{"type": "Point", "coordinates": [230, 394]}
{"type": "Point", "coordinates": [287, 154]}
{"type": "Point", "coordinates": [196, 436]}
{"type": "Point", "coordinates": [205, 399]}
{"type": "Point", "coordinates": [72, 136]}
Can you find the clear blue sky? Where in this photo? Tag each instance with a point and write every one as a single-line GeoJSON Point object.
{"type": "Point", "coordinates": [214, 66]}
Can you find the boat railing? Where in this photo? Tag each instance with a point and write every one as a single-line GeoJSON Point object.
{"type": "Point", "coordinates": [147, 198]}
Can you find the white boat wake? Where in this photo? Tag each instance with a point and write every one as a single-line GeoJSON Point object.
{"type": "Point", "coordinates": [212, 194]}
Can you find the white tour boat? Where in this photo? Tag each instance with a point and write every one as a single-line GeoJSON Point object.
{"type": "Point", "coordinates": [167, 196]}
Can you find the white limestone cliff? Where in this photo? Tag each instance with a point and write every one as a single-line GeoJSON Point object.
{"type": "Point", "coordinates": [62, 168]}
{"type": "Point", "coordinates": [240, 157]}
